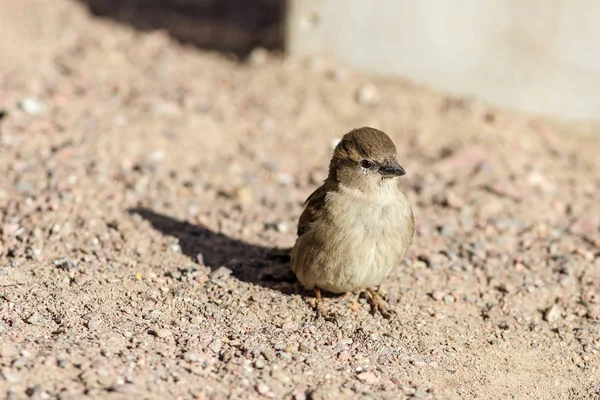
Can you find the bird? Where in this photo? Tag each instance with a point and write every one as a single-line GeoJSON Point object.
{"type": "Point", "coordinates": [357, 226]}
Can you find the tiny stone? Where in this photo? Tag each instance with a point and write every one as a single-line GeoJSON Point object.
{"type": "Point", "coordinates": [268, 354]}
{"type": "Point", "coordinates": [291, 349]}
{"type": "Point", "coordinates": [220, 273]}
{"type": "Point", "coordinates": [10, 375]}
{"type": "Point", "coordinates": [259, 364]}
{"type": "Point", "coordinates": [282, 227]}
{"type": "Point", "coordinates": [36, 392]}
{"type": "Point", "coordinates": [191, 356]}
{"type": "Point", "coordinates": [285, 179]}
{"type": "Point", "coordinates": [553, 313]}
{"type": "Point", "coordinates": [337, 74]}
{"type": "Point", "coordinates": [8, 350]}
{"type": "Point", "coordinates": [368, 95]}
{"type": "Point", "coordinates": [262, 388]}
{"type": "Point", "coordinates": [215, 346]}
{"type": "Point", "coordinates": [10, 229]}
{"type": "Point", "coordinates": [288, 326]}
{"type": "Point", "coordinates": [258, 56]}
{"type": "Point", "coordinates": [306, 346]}
{"type": "Point", "coordinates": [437, 295]}
{"type": "Point", "coordinates": [160, 332]}
{"type": "Point", "coordinates": [123, 388]}
{"type": "Point", "coordinates": [449, 299]}
{"type": "Point", "coordinates": [417, 362]}
{"type": "Point", "coordinates": [31, 106]}
{"type": "Point", "coordinates": [243, 194]}
{"type": "Point", "coordinates": [368, 377]}
{"type": "Point", "coordinates": [64, 264]}
{"type": "Point", "coordinates": [19, 362]}
{"type": "Point", "coordinates": [165, 108]}
{"type": "Point", "coordinates": [36, 319]}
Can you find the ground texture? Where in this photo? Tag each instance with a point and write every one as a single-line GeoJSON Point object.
{"type": "Point", "coordinates": [144, 184]}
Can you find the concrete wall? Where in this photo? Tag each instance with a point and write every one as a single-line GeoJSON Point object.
{"type": "Point", "coordinates": [538, 56]}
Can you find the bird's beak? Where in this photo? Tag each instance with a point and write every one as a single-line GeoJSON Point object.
{"type": "Point", "coordinates": [392, 169]}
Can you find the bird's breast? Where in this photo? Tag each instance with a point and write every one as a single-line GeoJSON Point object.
{"type": "Point", "coordinates": [373, 229]}
{"type": "Point", "coordinates": [356, 243]}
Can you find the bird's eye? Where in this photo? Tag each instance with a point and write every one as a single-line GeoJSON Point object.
{"type": "Point", "coordinates": [367, 164]}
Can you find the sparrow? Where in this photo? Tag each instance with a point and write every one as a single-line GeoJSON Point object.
{"type": "Point", "coordinates": [356, 227]}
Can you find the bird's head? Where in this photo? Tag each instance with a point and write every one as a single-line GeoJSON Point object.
{"type": "Point", "coordinates": [364, 159]}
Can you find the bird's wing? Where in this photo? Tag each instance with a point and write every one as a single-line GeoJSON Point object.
{"type": "Point", "coordinates": [411, 225]}
{"type": "Point", "coordinates": [313, 207]}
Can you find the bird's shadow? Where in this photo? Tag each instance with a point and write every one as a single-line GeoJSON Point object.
{"type": "Point", "coordinates": [264, 266]}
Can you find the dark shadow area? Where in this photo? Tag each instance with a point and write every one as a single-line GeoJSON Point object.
{"type": "Point", "coordinates": [234, 26]}
{"type": "Point", "coordinates": [260, 265]}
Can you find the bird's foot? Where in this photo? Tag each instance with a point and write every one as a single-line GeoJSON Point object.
{"type": "Point", "coordinates": [321, 309]}
{"type": "Point", "coordinates": [353, 305]}
{"type": "Point", "coordinates": [378, 304]}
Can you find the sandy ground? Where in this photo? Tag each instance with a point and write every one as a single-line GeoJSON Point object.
{"type": "Point", "coordinates": [144, 184]}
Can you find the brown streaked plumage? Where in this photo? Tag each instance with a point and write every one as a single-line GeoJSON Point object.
{"type": "Point", "coordinates": [357, 225]}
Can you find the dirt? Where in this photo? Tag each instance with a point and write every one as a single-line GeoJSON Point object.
{"type": "Point", "coordinates": [147, 184]}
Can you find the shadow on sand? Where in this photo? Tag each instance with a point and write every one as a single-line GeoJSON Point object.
{"type": "Point", "coordinates": [265, 266]}
{"type": "Point", "coordinates": [231, 26]}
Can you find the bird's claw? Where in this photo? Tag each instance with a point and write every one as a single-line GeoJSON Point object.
{"type": "Point", "coordinates": [378, 304]}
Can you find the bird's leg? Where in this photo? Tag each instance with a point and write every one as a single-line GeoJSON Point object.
{"type": "Point", "coordinates": [378, 303]}
{"type": "Point", "coordinates": [320, 303]}
{"type": "Point", "coordinates": [321, 309]}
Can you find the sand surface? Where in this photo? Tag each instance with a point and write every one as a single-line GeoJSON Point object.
{"type": "Point", "coordinates": [145, 182]}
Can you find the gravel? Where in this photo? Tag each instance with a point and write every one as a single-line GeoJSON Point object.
{"type": "Point", "coordinates": [145, 202]}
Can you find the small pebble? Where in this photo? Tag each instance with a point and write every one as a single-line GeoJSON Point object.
{"type": "Point", "coordinates": [19, 362]}
{"type": "Point", "coordinates": [191, 356]}
{"type": "Point", "coordinates": [10, 375]}
{"type": "Point", "coordinates": [36, 319]}
{"type": "Point", "coordinates": [243, 194]}
{"type": "Point", "coordinates": [258, 56]}
{"type": "Point", "coordinates": [161, 332]}
{"type": "Point", "coordinates": [449, 299]}
{"type": "Point", "coordinates": [437, 295]}
{"type": "Point", "coordinates": [553, 313]}
{"type": "Point", "coordinates": [8, 350]}
{"type": "Point", "coordinates": [220, 273]}
{"type": "Point", "coordinates": [417, 362]}
{"type": "Point", "coordinates": [368, 95]}
{"type": "Point", "coordinates": [31, 106]}
{"type": "Point", "coordinates": [106, 352]}
{"type": "Point", "coordinates": [64, 264]}
{"type": "Point", "coordinates": [368, 377]}
{"type": "Point", "coordinates": [123, 388]}
{"type": "Point", "coordinates": [215, 346]}
{"type": "Point", "coordinates": [262, 388]}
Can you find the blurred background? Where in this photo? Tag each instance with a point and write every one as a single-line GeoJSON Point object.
{"type": "Point", "coordinates": [545, 65]}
